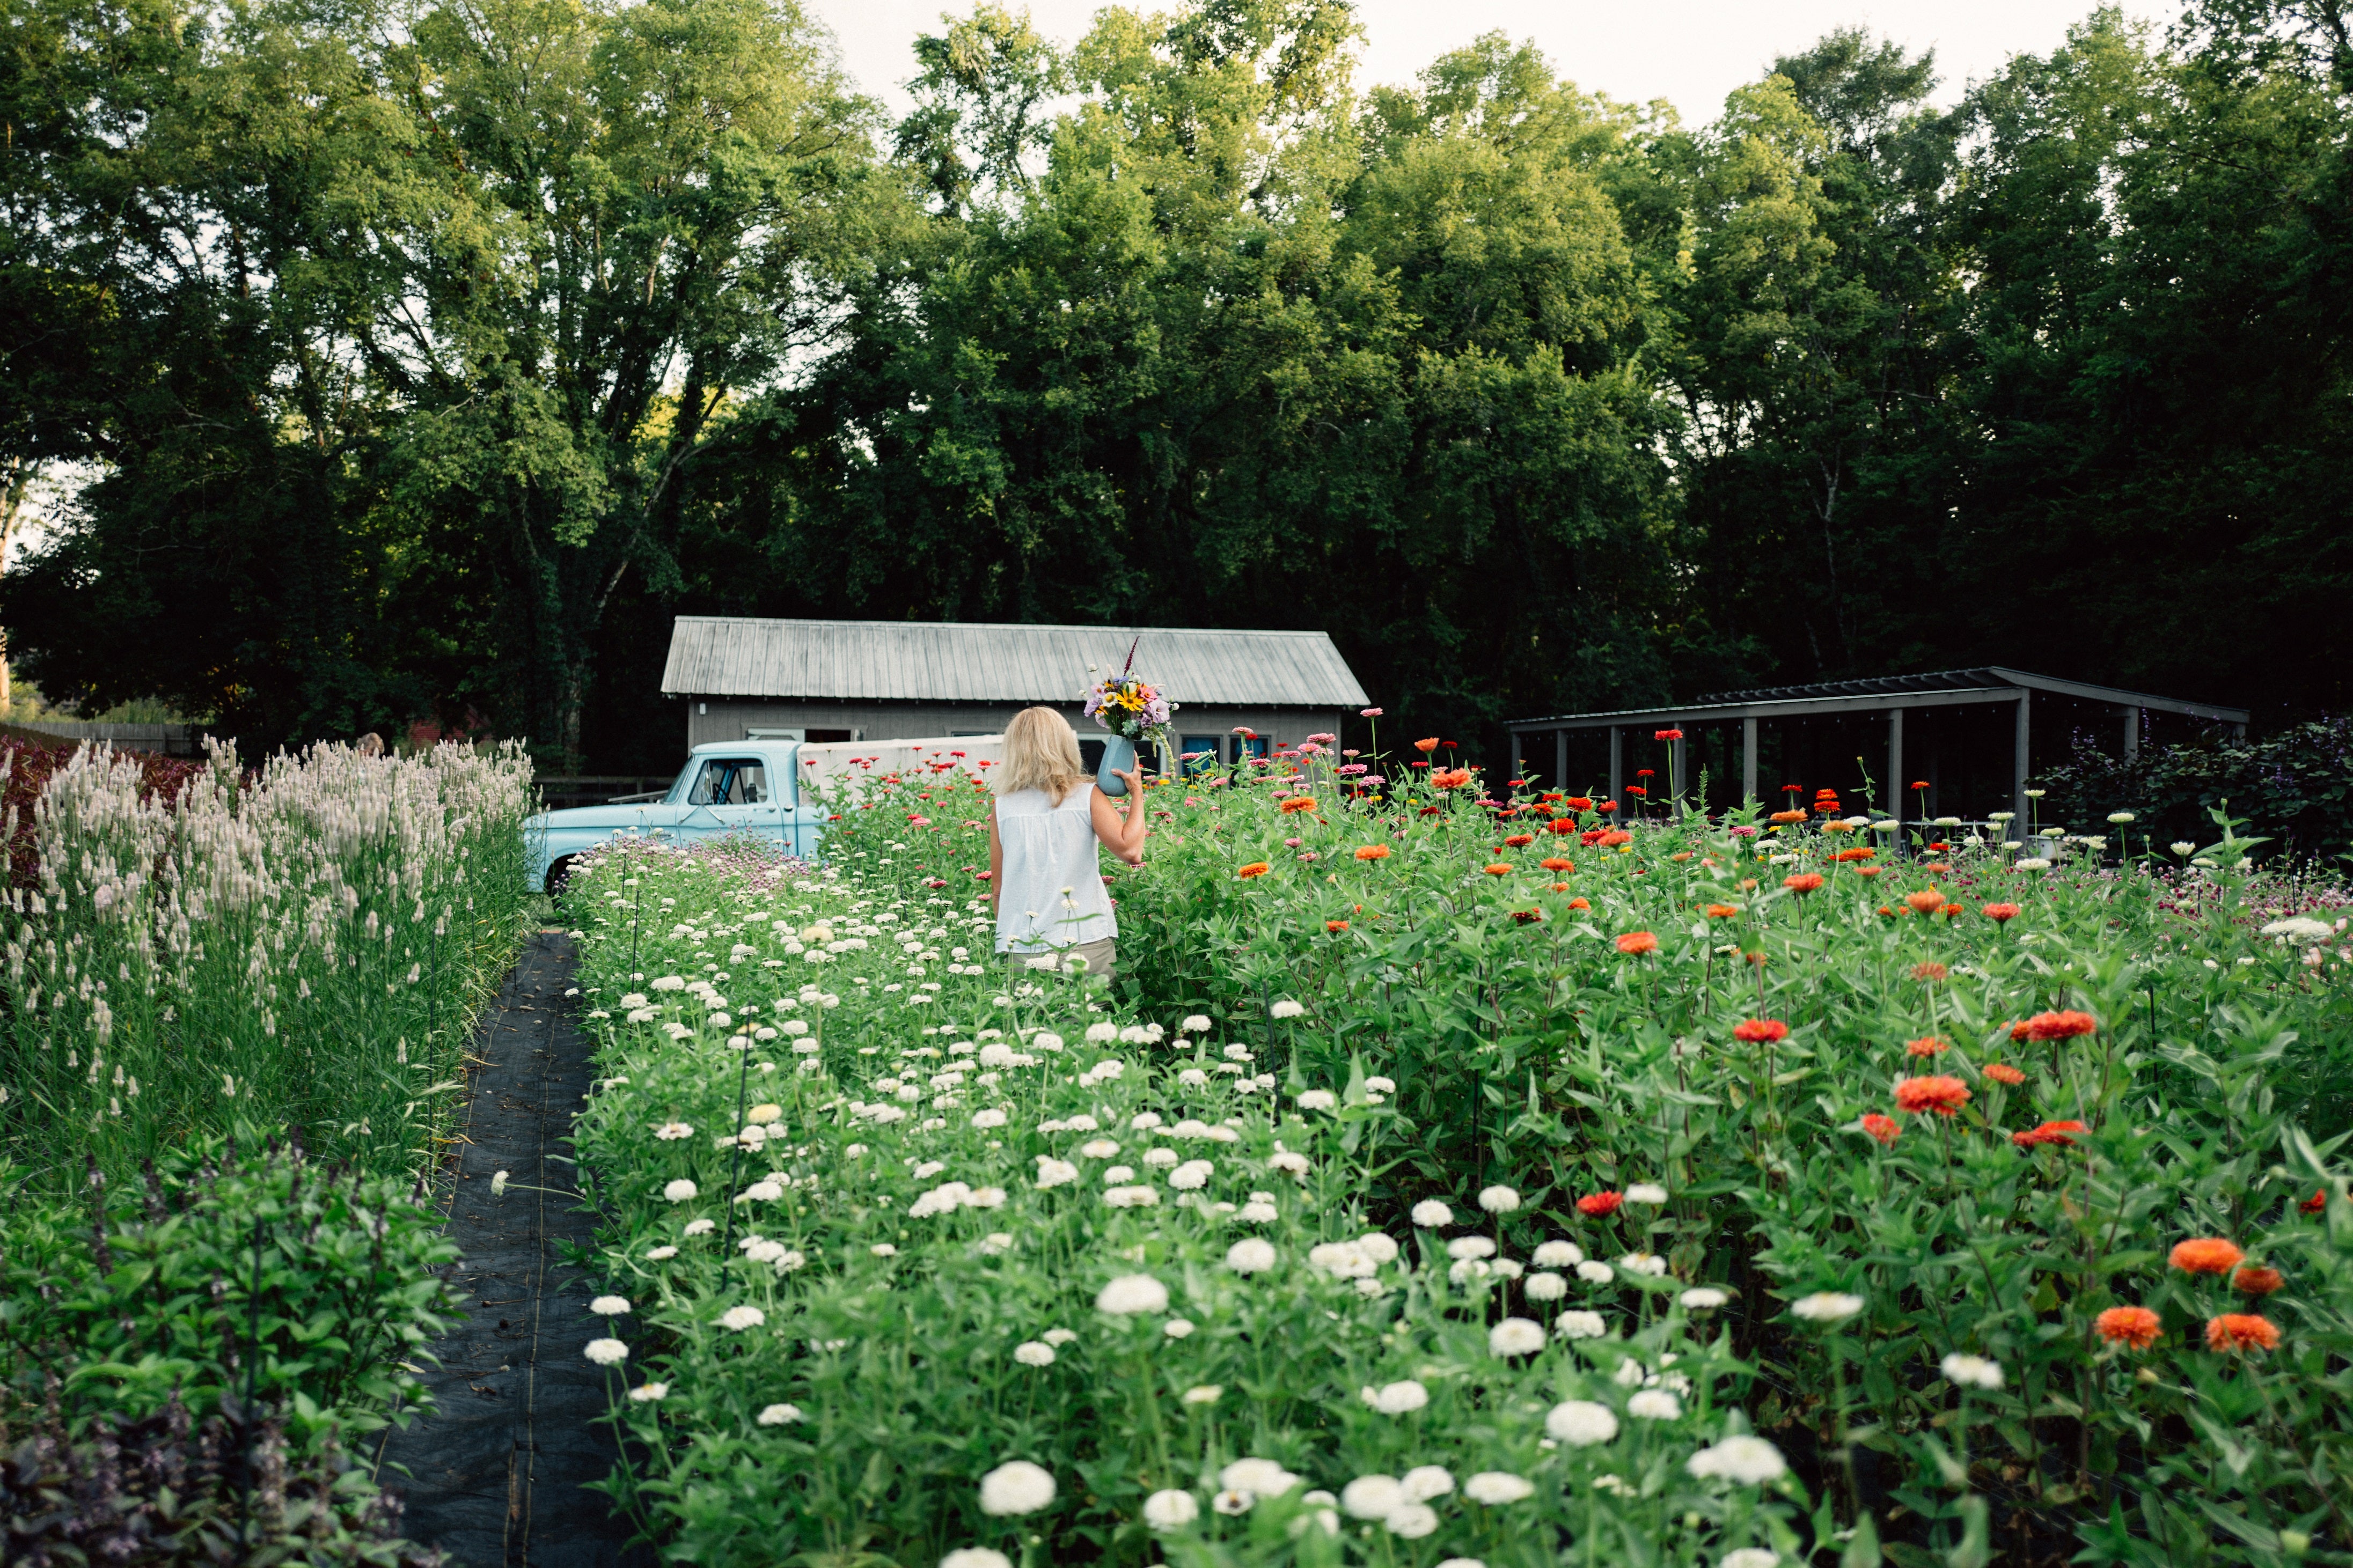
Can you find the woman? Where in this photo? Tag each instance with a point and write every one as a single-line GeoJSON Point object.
{"type": "Point", "coordinates": [1044, 880]}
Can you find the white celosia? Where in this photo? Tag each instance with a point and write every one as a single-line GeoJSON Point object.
{"type": "Point", "coordinates": [1581, 1422]}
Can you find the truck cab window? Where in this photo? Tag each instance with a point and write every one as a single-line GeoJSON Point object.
{"type": "Point", "coordinates": [731, 781]}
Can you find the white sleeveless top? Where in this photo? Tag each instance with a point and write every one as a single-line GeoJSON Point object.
{"type": "Point", "coordinates": [1052, 892]}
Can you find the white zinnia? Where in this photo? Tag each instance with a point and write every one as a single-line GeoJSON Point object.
{"type": "Point", "coordinates": [1580, 1423]}
{"type": "Point", "coordinates": [1559, 1254]}
{"type": "Point", "coordinates": [975, 1557]}
{"type": "Point", "coordinates": [607, 1352]}
{"type": "Point", "coordinates": [1372, 1496]}
{"type": "Point", "coordinates": [1034, 1353]}
{"type": "Point", "coordinates": [1545, 1287]}
{"type": "Point", "coordinates": [1703, 1299]}
{"type": "Point", "coordinates": [610, 1305]}
{"type": "Point", "coordinates": [1654, 1405]}
{"type": "Point", "coordinates": [1424, 1482]}
{"type": "Point", "coordinates": [1750, 1461]}
{"type": "Point", "coordinates": [1015, 1487]}
{"type": "Point", "coordinates": [1498, 1199]}
{"type": "Point", "coordinates": [1515, 1336]}
{"type": "Point", "coordinates": [1131, 1294]}
{"type": "Point", "coordinates": [1430, 1214]}
{"type": "Point", "coordinates": [1646, 1192]}
{"type": "Point", "coordinates": [1750, 1557]}
{"type": "Point", "coordinates": [1581, 1326]}
{"type": "Point", "coordinates": [1826, 1307]}
{"type": "Point", "coordinates": [1497, 1487]}
{"type": "Point", "coordinates": [738, 1319]}
{"type": "Point", "coordinates": [1259, 1477]}
{"type": "Point", "coordinates": [1463, 1246]}
{"type": "Point", "coordinates": [1411, 1521]}
{"type": "Point", "coordinates": [1397, 1398]}
{"type": "Point", "coordinates": [1194, 1024]}
{"type": "Point", "coordinates": [1594, 1273]}
{"type": "Point", "coordinates": [1318, 1099]}
{"type": "Point", "coordinates": [779, 1415]}
{"type": "Point", "coordinates": [680, 1190]}
{"type": "Point", "coordinates": [1287, 1009]}
{"type": "Point", "coordinates": [1102, 1034]}
{"type": "Point", "coordinates": [1170, 1510]}
{"type": "Point", "coordinates": [1970, 1370]}
{"type": "Point", "coordinates": [1250, 1256]}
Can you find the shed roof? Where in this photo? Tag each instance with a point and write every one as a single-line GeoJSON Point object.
{"type": "Point", "coordinates": [971, 661]}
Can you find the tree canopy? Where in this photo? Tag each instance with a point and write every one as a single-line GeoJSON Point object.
{"type": "Point", "coordinates": [430, 357]}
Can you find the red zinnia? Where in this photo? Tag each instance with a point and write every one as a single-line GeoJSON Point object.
{"type": "Point", "coordinates": [2001, 914]}
{"type": "Point", "coordinates": [1563, 825]}
{"type": "Point", "coordinates": [1760, 1031]}
{"type": "Point", "coordinates": [2314, 1203]}
{"type": "Point", "coordinates": [2060, 1025]}
{"type": "Point", "coordinates": [1527, 917]}
{"type": "Point", "coordinates": [1578, 803]}
{"type": "Point", "coordinates": [1520, 840]}
{"type": "Point", "coordinates": [1883, 1128]}
{"type": "Point", "coordinates": [2135, 1327]}
{"type": "Point", "coordinates": [2206, 1254]}
{"type": "Point", "coordinates": [2257, 1281]}
{"type": "Point", "coordinates": [1943, 1095]}
{"type": "Point", "coordinates": [1637, 942]}
{"type": "Point", "coordinates": [1803, 882]}
{"type": "Point", "coordinates": [2049, 1132]}
{"type": "Point", "coordinates": [2241, 1331]}
{"type": "Point", "coordinates": [2002, 1072]}
{"type": "Point", "coordinates": [1599, 1205]}
{"type": "Point", "coordinates": [1667, 735]}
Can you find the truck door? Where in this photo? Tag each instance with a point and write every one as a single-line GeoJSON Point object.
{"type": "Point", "coordinates": [730, 793]}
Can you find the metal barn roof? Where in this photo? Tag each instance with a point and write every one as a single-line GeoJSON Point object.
{"type": "Point", "coordinates": [971, 661]}
{"type": "Point", "coordinates": [1992, 683]}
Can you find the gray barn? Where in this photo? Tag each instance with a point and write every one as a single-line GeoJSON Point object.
{"type": "Point", "coordinates": [881, 680]}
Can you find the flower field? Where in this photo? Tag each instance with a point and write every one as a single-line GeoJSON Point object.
{"type": "Point", "coordinates": [1459, 1179]}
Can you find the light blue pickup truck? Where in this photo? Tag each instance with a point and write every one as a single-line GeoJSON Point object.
{"type": "Point", "coordinates": [727, 786]}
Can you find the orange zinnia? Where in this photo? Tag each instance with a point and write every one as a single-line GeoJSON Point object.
{"type": "Point", "coordinates": [1927, 901]}
{"type": "Point", "coordinates": [1788, 816]}
{"type": "Point", "coordinates": [1335, 927]}
{"type": "Point", "coordinates": [2136, 1328]}
{"type": "Point", "coordinates": [2001, 914]}
{"type": "Point", "coordinates": [1614, 837]}
{"type": "Point", "coordinates": [1869, 870]}
{"type": "Point", "coordinates": [1883, 1128]}
{"type": "Point", "coordinates": [1943, 1095]}
{"type": "Point", "coordinates": [1425, 747]}
{"type": "Point", "coordinates": [1803, 882]}
{"type": "Point", "coordinates": [1499, 868]}
{"type": "Point", "coordinates": [1559, 887]}
{"type": "Point", "coordinates": [1636, 942]}
{"type": "Point", "coordinates": [1578, 803]}
{"type": "Point", "coordinates": [2002, 1072]}
{"type": "Point", "coordinates": [1599, 1205]}
{"type": "Point", "coordinates": [1930, 972]}
{"type": "Point", "coordinates": [1450, 778]}
{"type": "Point", "coordinates": [1563, 825]}
{"type": "Point", "coordinates": [1927, 1046]}
{"type": "Point", "coordinates": [1856, 854]}
{"type": "Point", "coordinates": [2241, 1331]}
{"type": "Point", "coordinates": [2257, 1281]}
{"type": "Point", "coordinates": [2060, 1025]}
{"type": "Point", "coordinates": [1554, 863]}
{"type": "Point", "coordinates": [1301, 803]}
{"type": "Point", "coordinates": [1722, 912]}
{"type": "Point", "coordinates": [1255, 869]}
{"type": "Point", "coordinates": [2206, 1254]}
{"type": "Point", "coordinates": [2049, 1132]}
{"type": "Point", "coordinates": [1520, 840]}
{"type": "Point", "coordinates": [1760, 1031]}
{"type": "Point", "coordinates": [1573, 903]}
{"type": "Point", "coordinates": [1373, 852]}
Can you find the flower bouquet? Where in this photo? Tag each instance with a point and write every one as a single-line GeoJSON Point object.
{"type": "Point", "coordinates": [1134, 711]}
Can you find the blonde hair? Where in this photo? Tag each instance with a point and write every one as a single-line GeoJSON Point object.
{"type": "Point", "coordinates": [1041, 753]}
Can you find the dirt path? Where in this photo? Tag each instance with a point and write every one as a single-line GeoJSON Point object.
{"type": "Point", "coordinates": [496, 1476]}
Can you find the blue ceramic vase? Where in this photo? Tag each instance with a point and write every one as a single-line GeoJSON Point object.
{"type": "Point", "coordinates": [1118, 757]}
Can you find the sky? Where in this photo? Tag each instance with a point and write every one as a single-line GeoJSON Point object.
{"type": "Point", "coordinates": [1690, 52]}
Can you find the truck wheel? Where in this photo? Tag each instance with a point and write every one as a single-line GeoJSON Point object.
{"type": "Point", "coordinates": [558, 875]}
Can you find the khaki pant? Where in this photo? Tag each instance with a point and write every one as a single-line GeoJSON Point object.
{"type": "Point", "coordinates": [1098, 958]}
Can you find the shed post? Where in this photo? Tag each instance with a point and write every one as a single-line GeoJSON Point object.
{"type": "Point", "coordinates": [1616, 766]}
{"type": "Point", "coordinates": [2018, 757]}
{"type": "Point", "coordinates": [1895, 769]}
{"type": "Point", "coordinates": [1561, 759]}
{"type": "Point", "coordinates": [2132, 733]}
{"type": "Point", "coordinates": [1680, 774]}
{"type": "Point", "coordinates": [1747, 759]}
